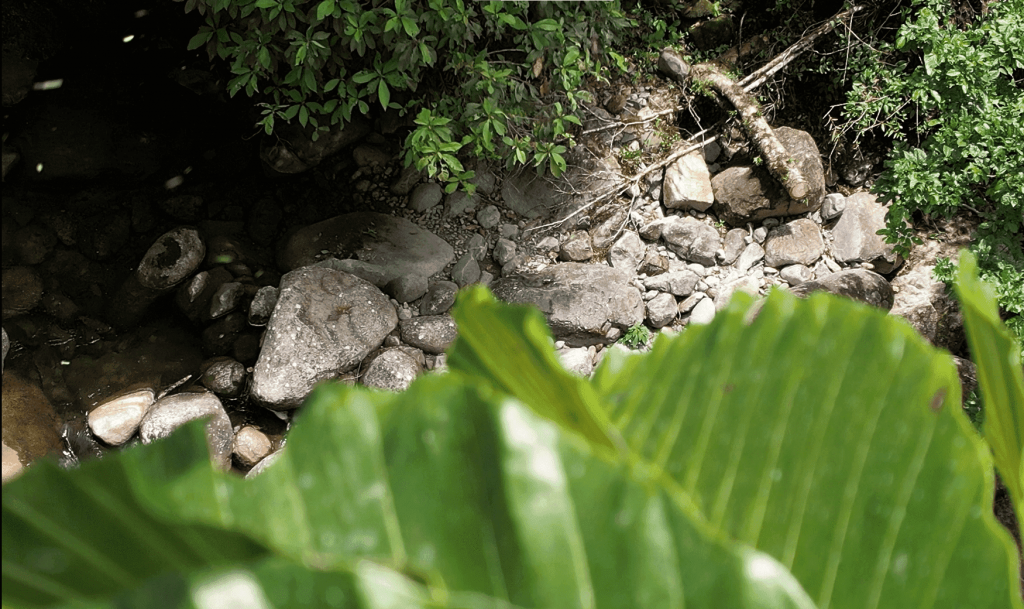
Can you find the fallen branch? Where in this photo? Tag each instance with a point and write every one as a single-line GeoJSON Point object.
{"type": "Point", "coordinates": [749, 83]}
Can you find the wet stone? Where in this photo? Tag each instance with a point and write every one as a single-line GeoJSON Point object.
{"type": "Point", "coordinates": [219, 337]}
{"type": "Point", "coordinates": [250, 446]}
{"type": "Point", "coordinates": [117, 419]}
{"type": "Point", "coordinates": [227, 298]}
{"type": "Point", "coordinates": [171, 412]}
{"type": "Point", "coordinates": [223, 376]}
{"type": "Point", "coordinates": [262, 306]}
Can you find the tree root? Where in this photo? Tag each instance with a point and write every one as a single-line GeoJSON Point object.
{"type": "Point", "coordinates": [699, 140]}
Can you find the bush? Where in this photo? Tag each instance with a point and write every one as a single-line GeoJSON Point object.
{"type": "Point", "coordinates": [497, 80]}
{"type": "Point", "coordinates": [951, 97]}
{"type": "Point", "coordinates": [746, 463]}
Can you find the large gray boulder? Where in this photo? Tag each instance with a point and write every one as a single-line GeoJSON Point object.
{"type": "Point", "coordinates": [325, 323]}
{"type": "Point", "coordinates": [856, 238]}
{"type": "Point", "coordinates": [392, 245]}
{"type": "Point", "coordinates": [751, 194]}
{"type": "Point", "coordinates": [582, 302]}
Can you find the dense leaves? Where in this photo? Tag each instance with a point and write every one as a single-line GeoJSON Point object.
{"type": "Point", "coordinates": [950, 95]}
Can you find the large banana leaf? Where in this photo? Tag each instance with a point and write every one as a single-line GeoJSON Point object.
{"type": "Point", "coordinates": [821, 432]}
{"type": "Point", "coordinates": [463, 498]}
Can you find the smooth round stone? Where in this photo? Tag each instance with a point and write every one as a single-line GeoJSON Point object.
{"type": "Point", "coordinates": [117, 420]}
{"type": "Point", "coordinates": [250, 446]}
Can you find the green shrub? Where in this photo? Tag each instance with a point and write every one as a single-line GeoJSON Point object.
{"type": "Point", "coordinates": [815, 455]}
{"type": "Point", "coordinates": [951, 98]}
{"type": "Point", "coordinates": [496, 80]}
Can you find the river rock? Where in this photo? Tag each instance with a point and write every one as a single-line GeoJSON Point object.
{"type": "Point", "coordinates": [393, 370]}
{"type": "Point", "coordinates": [325, 323]}
{"type": "Point", "coordinates": [582, 302]}
{"type": "Point", "coordinates": [171, 412]}
{"type": "Point", "coordinates": [223, 376]}
{"type": "Point", "coordinates": [430, 333]}
{"type": "Point", "coordinates": [395, 245]}
{"type": "Point", "coordinates": [117, 420]}
{"type": "Point", "coordinates": [439, 298]}
{"type": "Point", "coordinates": [250, 446]}
{"type": "Point", "coordinates": [679, 283]}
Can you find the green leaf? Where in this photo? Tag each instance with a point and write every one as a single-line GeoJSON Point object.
{"type": "Point", "coordinates": [997, 356]}
{"type": "Point", "coordinates": [324, 9]}
{"type": "Point", "coordinates": [363, 77]}
{"type": "Point", "coordinates": [383, 93]}
{"type": "Point", "coordinates": [773, 428]}
{"type": "Point", "coordinates": [200, 39]}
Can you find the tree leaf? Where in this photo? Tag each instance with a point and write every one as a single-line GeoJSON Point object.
{"type": "Point", "coordinates": [997, 356]}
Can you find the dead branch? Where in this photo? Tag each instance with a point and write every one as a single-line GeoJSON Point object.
{"type": "Point", "coordinates": [746, 85]}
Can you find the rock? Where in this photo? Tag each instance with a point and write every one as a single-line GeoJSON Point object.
{"type": "Point", "coordinates": [103, 236]}
{"type": "Point", "coordinates": [425, 196]}
{"type": "Point", "coordinates": [857, 284]}
{"type": "Point", "coordinates": [672, 64]}
{"type": "Point", "coordinates": [169, 413]}
{"type": "Point", "coordinates": [691, 239]}
{"type": "Point", "coordinates": [703, 312]}
{"type": "Point", "coordinates": [752, 254]}
{"type": "Point", "coordinates": [795, 274]}
{"type": "Point", "coordinates": [735, 241]}
{"type": "Point", "coordinates": [653, 262]}
{"type": "Point", "coordinates": [797, 242]}
{"type": "Point", "coordinates": [508, 231]}
{"type": "Point", "coordinates": [429, 333]}
{"type": "Point", "coordinates": [751, 194]}
{"type": "Point", "coordinates": [652, 230]}
{"type": "Point", "coordinates": [223, 376]}
{"type": "Point", "coordinates": [6, 348]}
{"type": "Point", "coordinates": [367, 155]}
{"type": "Point", "coordinates": [33, 243]}
{"type": "Point", "coordinates": [627, 252]}
{"type": "Point", "coordinates": [30, 425]}
{"type": "Point", "coordinates": [250, 446]}
{"type": "Point", "coordinates": [12, 466]}
{"type": "Point", "coordinates": [406, 288]}
{"type": "Point", "coordinates": [605, 233]}
{"type": "Point", "coordinates": [324, 324]}
{"type": "Point", "coordinates": [528, 195]}
{"type": "Point", "coordinates": [22, 290]}
{"type": "Point", "coordinates": [393, 370]}
{"type": "Point", "coordinates": [687, 184]}
{"type": "Point", "coordinates": [477, 247]}
{"type": "Point", "coordinates": [262, 306]}
{"type": "Point", "coordinates": [295, 151]}
{"type": "Point", "coordinates": [923, 301]}
{"type": "Point", "coordinates": [264, 463]}
{"type": "Point", "coordinates": [195, 296]}
{"type": "Point", "coordinates": [439, 298]}
{"type": "Point", "coordinates": [373, 273]}
{"type": "Point", "coordinates": [578, 360]}
{"type": "Point", "coordinates": [547, 244]}
{"type": "Point", "coordinates": [577, 248]}
{"type": "Point", "coordinates": [459, 202]}
{"type": "Point", "coordinates": [661, 310]}
{"type": "Point", "coordinates": [484, 181]}
{"type": "Point", "coordinates": [117, 419]}
{"type": "Point", "coordinates": [504, 251]}
{"type": "Point", "coordinates": [466, 270]}
{"type": "Point", "coordinates": [833, 206]}
{"type": "Point", "coordinates": [409, 177]}
{"type": "Point", "coordinates": [172, 258]}
{"type": "Point", "coordinates": [690, 301]}
{"type": "Point", "coordinates": [220, 336]}
{"type": "Point", "coordinates": [855, 235]}
{"type": "Point", "coordinates": [488, 217]}
{"type": "Point", "coordinates": [679, 283]}
{"type": "Point", "coordinates": [582, 302]}
{"type": "Point", "coordinates": [227, 298]}
{"type": "Point", "coordinates": [394, 245]}
{"type": "Point", "coordinates": [186, 208]}
{"type": "Point", "coordinates": [747, 283]}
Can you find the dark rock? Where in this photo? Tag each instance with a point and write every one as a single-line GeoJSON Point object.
{"type": "Point", "coordinates": [439, 298]}
{"type": "Point", "coordinates": [22, 290]}
{"type": "Point", "coordinates": [223, 376]}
